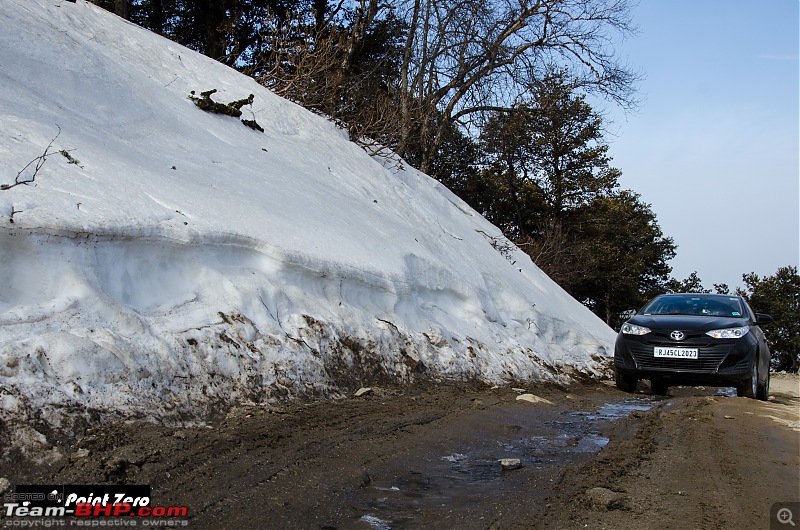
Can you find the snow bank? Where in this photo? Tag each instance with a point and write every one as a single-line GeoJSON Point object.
{"type": "Point", "coordinates": [185, 262]}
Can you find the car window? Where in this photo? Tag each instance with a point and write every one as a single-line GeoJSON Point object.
{"type": "Point", "coordinates": [695, 305]}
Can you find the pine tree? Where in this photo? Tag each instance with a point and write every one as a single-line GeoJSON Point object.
{"type": "Point", "coordinates": [779, 296]}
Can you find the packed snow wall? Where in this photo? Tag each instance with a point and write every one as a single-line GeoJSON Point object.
{"type": "Point", "coordinates": [177, 262]}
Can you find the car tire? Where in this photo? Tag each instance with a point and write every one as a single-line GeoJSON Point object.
{"type": "Point", "coordinates": [762, 392]}
{"type": "Point", "coordinates": [626, 383]}
{"type": "Point", "coordinates": [658, 387]}
{"type": "Point", "coordinates": [749, 388]}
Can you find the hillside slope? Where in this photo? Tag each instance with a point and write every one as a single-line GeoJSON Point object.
{"type": "Point", "coordinates": [179, 262]}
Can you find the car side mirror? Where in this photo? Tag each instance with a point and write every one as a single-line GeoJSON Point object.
{"type": "Point", "coordinates": [762, 318]}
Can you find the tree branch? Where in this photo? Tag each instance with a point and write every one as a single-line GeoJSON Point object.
{"type": "Point", "coordinates": [39, 161]}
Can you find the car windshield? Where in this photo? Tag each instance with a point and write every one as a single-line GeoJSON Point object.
{"type": "Point", "coordinates": [723, 306]}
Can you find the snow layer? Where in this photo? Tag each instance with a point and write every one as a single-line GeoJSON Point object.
{"type": "Point", "coordinates": [186, 263]}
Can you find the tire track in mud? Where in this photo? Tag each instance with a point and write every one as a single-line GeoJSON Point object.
{"type": "Point", "coordinates": [426, 457]}
{"type": "Point", "coordinates": [254, 457]}
{"type": "Point", "coordinates": [692, 462]}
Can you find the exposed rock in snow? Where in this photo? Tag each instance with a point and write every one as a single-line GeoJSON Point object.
{"type": "Point", "coordinates": [188, 263]}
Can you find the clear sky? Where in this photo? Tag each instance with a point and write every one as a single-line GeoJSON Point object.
{"type": "Point", "coordinates": [714, 146]}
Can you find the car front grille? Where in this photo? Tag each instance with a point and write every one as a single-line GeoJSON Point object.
{"type": "Point", "coordinates": [708, 359]}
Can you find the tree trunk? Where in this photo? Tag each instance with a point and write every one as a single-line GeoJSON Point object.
{"type": "Point", "coordinates": [122, 8]}
{"type": "Point", "coordinates": [404, 139]}
{"type": "Point", "coordinates": [319, 8]}
{"type": "Point", "coordinates": [157, 17]}
{"type": "Point", "coordinates": [358, 33]}
{"type": "Point", "coordinates": [211, 18]}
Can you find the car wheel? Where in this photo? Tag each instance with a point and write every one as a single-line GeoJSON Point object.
{"type": "Point", "coordinates": [658, 387]}
{"type": "Point", "coordinates": [762, 392]}
{"type": "Point", "coordinates": [626, 383]}
{"type": "Point", "coordinates": [749, 388]}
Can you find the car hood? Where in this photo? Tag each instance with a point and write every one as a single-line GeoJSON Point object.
{"type": "Point", "coordinates": [686, 322]}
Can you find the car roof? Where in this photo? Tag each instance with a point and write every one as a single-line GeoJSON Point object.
{"type": "Point", "coordinates": [699, 295]}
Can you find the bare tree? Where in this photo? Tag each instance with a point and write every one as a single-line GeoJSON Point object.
{"type": "Point", "coordinates": [465, 57]}
{"type": "Point", "coordinates": [563, 257]}
{"type": "Point", "coordinates": [320, 64]}
{"type": "Point", "coordinates": [456, 61]}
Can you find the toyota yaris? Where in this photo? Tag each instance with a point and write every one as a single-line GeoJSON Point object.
{"type": "Point", "coordinates": [694, 339]}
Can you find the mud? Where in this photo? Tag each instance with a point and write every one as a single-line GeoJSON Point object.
{"type": "Point", "coordinates": [428, 456]}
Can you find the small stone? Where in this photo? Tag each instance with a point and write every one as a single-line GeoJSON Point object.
{"type": "Point", "coordinates": [80, 453]}
{"type": "Point", "coordinates": [509, 464]}
{"type": "Point", "coordinates": [530, 398]}
{"type": "Point", "coordinates": [361, 391]}
{"type": "Point", "coordinates": [728, 417]}
{"type": "Point", "coordinates": [117, 464]}
{"type": "Point", "coordinates": [604, 499]}
{"type": "Point", "coordinates": [5, 485]}
{"type": "Point", "coordinates": [366, 480]}
{"type": "Point", "coordinates": [518, 390]}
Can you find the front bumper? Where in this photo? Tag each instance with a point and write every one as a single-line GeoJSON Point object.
{"type": "Point", "coordinates": [720, 362]}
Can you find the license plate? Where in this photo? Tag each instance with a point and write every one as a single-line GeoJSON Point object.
{"type": "Point", "coordinates": [676, 353]}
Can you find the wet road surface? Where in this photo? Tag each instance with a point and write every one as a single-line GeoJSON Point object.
{"type": "Point", "coordinates": [429, 456]}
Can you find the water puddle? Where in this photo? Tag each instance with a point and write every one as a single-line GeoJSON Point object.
{"type": "Point", "coordinates": [539, 438]}
{"type": "Point", "coordinates": [621, 409]}
{"type": "Point", "coordinates": [375, 523]}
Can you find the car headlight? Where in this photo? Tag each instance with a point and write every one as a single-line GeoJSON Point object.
{"type": "Point", "coordinates": [730, 333]}
{"type": "Point", "coordinates": [633, 329]}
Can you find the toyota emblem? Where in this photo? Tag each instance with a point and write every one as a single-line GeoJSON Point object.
{"type": "Point", "coordinates": [677, 335]}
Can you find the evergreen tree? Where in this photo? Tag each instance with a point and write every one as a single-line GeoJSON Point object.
{"type": "Point", "coordinates": [550, 156]}
{"type": "Point", "coordinates": [627, 255]}
{"type": "Point", "coordinates": [779, 296]}
{"type": "Point", "coordinates": [569, 159]}
{"type": "Point", "coordinates": [692, 284]}
{"type": "Point", "coordinates": [552, 189]}
{"type": "Point", "coordinates": [235, 32]}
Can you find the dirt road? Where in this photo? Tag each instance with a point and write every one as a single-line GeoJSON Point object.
{"type": "Point", "coordinates": [428, 457]}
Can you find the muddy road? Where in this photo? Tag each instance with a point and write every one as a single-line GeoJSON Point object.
{"type": "Point", "coordinates": [429, 457]}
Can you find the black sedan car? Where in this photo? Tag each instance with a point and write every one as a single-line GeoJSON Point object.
{"type": "Point", "coordinates": [694, 339]}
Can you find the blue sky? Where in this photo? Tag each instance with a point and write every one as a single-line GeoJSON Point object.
{"type": "Point", "coordinates": [714, 146]}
